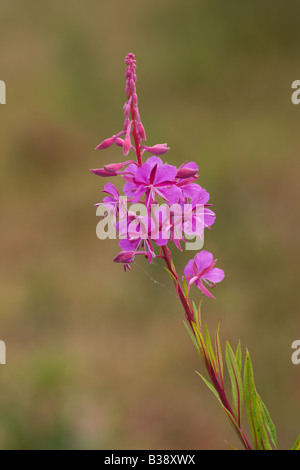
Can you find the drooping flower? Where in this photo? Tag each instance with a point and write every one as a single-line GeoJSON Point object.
{"type": "Point", "coordinates": [201, 269]}
{"type": "Point", "coordinates": [125, 257]}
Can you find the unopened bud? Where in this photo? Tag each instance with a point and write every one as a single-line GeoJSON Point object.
{"type": "Point", "coordinates": [132, 85]}
{"type": "Point", "coordinates": [106, 143]}
{"type": "Point", "coordinates": [127, 145]}
{"type": "Point", "coordinates": [112, 167]}
{"type": "Point", "coordinates": [124, 257]}
{"type": "Point", "coordinates": [103, 172]}
{"type": "Point", "coordinates": [157, 150]}
{"type": "Point", "coordinates": [127, 90]}
{"type": "Point", "coordinates": [186, 172]}
{"type": "Point", "coordinates": [141, 131]}
{"type": "Point", "coordinates": [119, 142]}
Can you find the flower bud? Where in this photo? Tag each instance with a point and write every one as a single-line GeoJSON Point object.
{"type": "Point", "coordinates": [126, 123]}
{"type": "Point", "coordinates": [103, 172]}
{"type": "Point", "coordinates": [106, 143]}
{"type": "Point", "coordinates": [125, 257]}
{"type": "Point", "coordinates": [119, 142]}
{"type": "Point", "coordinates": [127, 109]}
{"type": "Point", "coordinates": [157, 150]}
{"type": "Point", "coordinates": [141, 131]}
{"type": "Point", "coordinates": [186, 172]}
{"type": "Point", "coordinates": [127, 90]}
{"type": "Point", "coordinates": [132, 85]}
{"type": "Point", "coordinates": [112, 167]}
{"type": "Point", "coordinates": [127, 145]}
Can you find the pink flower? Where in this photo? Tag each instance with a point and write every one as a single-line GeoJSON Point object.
{"type": "Point", "coordinates": [201, 268]}
{"type": "Point", "coordinates": [153, 178]}
{"type": "Point", "coordinates": [135, 232]}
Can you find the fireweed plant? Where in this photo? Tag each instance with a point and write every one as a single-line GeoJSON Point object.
{"type": "Point", "coordinates": [152, 231]}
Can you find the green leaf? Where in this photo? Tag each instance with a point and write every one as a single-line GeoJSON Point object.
{"type": "Point", "coordinates": [260, 438]}
{"type": "Point", "coordinates": [196, 315]}
{"type": "Point", "coordinates": [296, 446]}
{"type": "Point", "coordinates": [199, 311]}
{"type": "Point", "coordinates": [229, 415]}
{"type": "Point", "coordinates": [268, 421]}
{"type": "Point", "coordinates": [219, 358]}
{"type": "Point", "coordinates": [185, 288]}
{"type": "Point", "coordinates": [238, 356]}
{"type": "Point", "coordinates": [173, 278]}
{"type": "Point", "coordinates": [236, 427]}
{"type": "Point", "coordinates": [210, 386]}
{"type": "Point", "coordinates": [201, 344]}
{"type": "Point", "coordinates": [236, 382]}
{"type": "Point", "coordinates": [210, 350]}
{"type": "Point", "coordinates": [192, 336]}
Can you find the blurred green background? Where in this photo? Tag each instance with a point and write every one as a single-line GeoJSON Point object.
{"type": "Point", "coordinates": [97, 358]}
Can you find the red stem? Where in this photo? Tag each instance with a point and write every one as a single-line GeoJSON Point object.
{"type": "Point", "coordinates": [189, 313]}
{"type": "Point", "coordinates": [135, 136]}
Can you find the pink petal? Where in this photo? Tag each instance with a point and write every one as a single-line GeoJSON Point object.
{"type": "Point", "coordinates": [172, 194]}
{"type": "Point", "coordinates": [189, 269]}
{"type": "Point", "coordinates": [203, 289]}
{"type": "Point", "coordinates": [214, 275]}
{"type": "Point", "coordinates": [203, 260]}
{"type": "Point", "coordinates": [111, 189]}
{"type": "Point", "coordinates": [165, 173]}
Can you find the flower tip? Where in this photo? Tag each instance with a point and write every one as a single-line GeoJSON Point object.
{"type": "Point", "coordinates": [126, 146]}
{"type": "Point", "coordinates": [124, 257]}
{"type": "Point", "coordinates": [186, 172]}
{"type": "Point", "coordinates": [103, 172]}
{"type": "Point", "coordinates": [106, 143]}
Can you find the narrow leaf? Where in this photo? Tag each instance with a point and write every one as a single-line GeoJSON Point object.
{"type": "Point", "coordinates": [260, 438]}
{"type": "Point", "coordinates": [236, 427]}
{"type": "Point", "coordinates": [238, 356]}
{"type": "Point", "coordinates": [199, 311]}
{"type": "Point", "coordinates": [201, 344]}
{"type": "Point", "coordinates": [229, 415]}
{"type": "Point", "coordinates": [268, 421]}
{"type": "Point", "coordinates": [210, 386]}
{"type": "Point", "coordinates": [236, 381]}
{"type": "Point", "coordinates": [210, 350]}
{"type": "Point", "coordinates": [296, 446]}
{"type": "Point", "coordinates": [219, 357]}
{"type": "Point", "coordinates": [185, 288]}
{"type": "Point", "coordinates": [196, 315]}
{"type": "Point", "coordinates": [192, 336]}
{"type": "Point", "coordinates": [170, 274]}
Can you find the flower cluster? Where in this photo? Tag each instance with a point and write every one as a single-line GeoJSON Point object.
{"type": "Point", "coordinates": [174, 205]}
